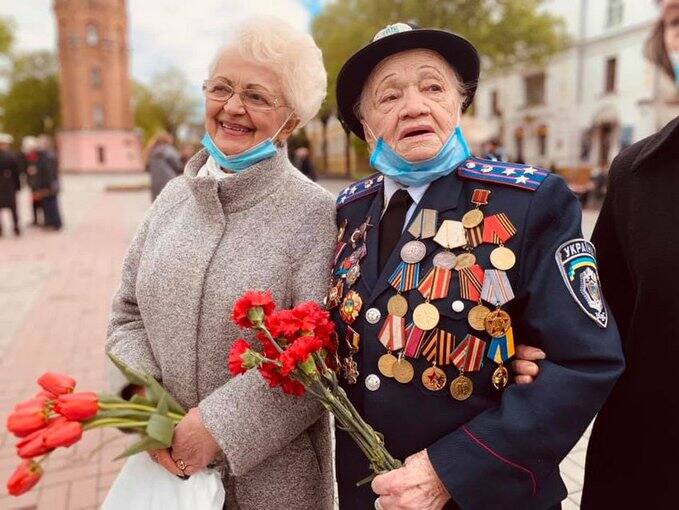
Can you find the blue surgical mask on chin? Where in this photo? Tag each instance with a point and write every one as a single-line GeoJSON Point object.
{"type": "Point", "coordinates": [386, 161]}
{"type": "Point", "coordinates": [674, 58]}
{"type": "Point", "coordinates": [243, 160]}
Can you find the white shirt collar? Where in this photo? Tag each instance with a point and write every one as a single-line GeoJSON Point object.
{"type": "Point", "coordinates": [212, 169]}
{"type": "Point", "coordinates": [415, 192]}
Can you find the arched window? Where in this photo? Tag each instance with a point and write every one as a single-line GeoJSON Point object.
{"type": "Point", "coordinates": [614, 13]}
{"type": "Point", "coordinates": [98, 117]}
{"type": "Point", "coordinates": [91, 35]}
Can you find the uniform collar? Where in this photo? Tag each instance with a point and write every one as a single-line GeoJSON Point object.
{"type": "Point", "coordinates": [666, 137]}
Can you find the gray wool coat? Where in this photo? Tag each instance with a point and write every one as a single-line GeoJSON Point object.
{"type": "Point", "coordinates": [203, 244]}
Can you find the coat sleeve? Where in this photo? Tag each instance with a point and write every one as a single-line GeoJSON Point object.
{"type": "Point", "coordinates": [250, 421]}
{"type": "Point", "coordinates": [518, 444]}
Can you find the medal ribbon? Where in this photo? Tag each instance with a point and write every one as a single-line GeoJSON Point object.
{"type": "Point", "coordinates": [405, 277]}
{"type": "Point", "coordinates": [424, 224]}
{"type": "Point", "coordinates": [414, 336]}
{"type": "Point", "coordinates": [450, 235]}
{"type": "Point", "coordinates": [502, 348]}
{"type": "Point", "coordinates": [496, 288]}
{"type": "Point", "coordinates": [392, 334]}
{"type": "Point", "coordinates": [474, 235]}
{"type": "Point", "coordinates": [471, 282]}
{"type": "Point", "coordinates": [438, 346]}
{"type": "Point", "coordinates": [497, 229]}
{"type": "Point", "coordinates": [436, 284]}
{"type": "Point", "coordinates": [353, 338]}
{"type": "Point", "coordinates": [480, 196]}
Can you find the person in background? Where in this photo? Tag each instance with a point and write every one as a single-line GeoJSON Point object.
{"type": "Point", "coordinates": [48, 182]}
{"type": "Point", "coordinates": [163, 162]}
{"type": "Point", "coordinates": [10, 182]}
{"type": "Point", "coordinates": [634, 446]}
{"type": "Point", "coordinates": [186, 153]}
{"type": "Point", "coordinates": [493, 150]}
{"type": "Point", "coordinates": [303, 163]}
{"type": "Point", "coordinates": [29, 150]}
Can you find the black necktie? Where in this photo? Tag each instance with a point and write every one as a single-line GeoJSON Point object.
{"type": "Point", "coordinates": [391, 224]}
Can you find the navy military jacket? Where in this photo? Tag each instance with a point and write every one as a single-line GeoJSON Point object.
{"type": "Point", "coordinates": [499, 448]}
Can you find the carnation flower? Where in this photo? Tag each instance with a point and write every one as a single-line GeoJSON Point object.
{"type": "Point", "coordinates": [250, 310]}
{"type": "Point", "coordinates": [235, 360]}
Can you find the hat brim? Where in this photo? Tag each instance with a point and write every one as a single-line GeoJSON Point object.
{"type": "Point", "coordinates": [457, 51]}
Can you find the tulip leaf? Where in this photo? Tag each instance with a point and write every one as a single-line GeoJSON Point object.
{"type": "Point", "coordinates": [162, 406]}
{"type": "Point", "coordinates": [107, 398]}
{"type": "Point", "coordinates": [131, 375]}
{"type": "Point", "coordinates": [146, 443]}
{"type": "Point", "coordinates": [161, 428]}
{"type": "Point", "coordinates": [158, 389]}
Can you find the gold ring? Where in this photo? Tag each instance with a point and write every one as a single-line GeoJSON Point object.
{"type": "Point", "coordinates": [180, 464]}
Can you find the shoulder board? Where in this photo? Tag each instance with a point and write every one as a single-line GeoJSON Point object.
{"type": "Point", "coordinates": [498, 172]}
{"type": "Point", "coordinates": [360, 189]}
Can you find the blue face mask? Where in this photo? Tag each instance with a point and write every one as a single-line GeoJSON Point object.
{"type": "Point", "coordinates": [386, 161]}
{"type": "Point", "coordinates": [674, 57]}
{"type": "Point", "coordinates": [243, 160]}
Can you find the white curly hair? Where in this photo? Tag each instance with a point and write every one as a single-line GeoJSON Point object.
{"type": "Point", "coordinates": [293, 55]}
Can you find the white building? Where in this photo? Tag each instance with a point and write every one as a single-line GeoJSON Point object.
{"type": "Point", "coordinates": [597, 96]}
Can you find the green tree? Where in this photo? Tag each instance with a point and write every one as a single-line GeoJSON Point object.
{"type": "Point", "coordinates": [6, 36]}
{"type": "Point", "coordinates": [506, 32]}
{"type": "Point", "coordinates": [164, 103]}
{"type": "Point", "coordinates": [31, 104]}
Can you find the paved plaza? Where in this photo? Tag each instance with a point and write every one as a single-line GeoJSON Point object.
{"type": "Point", "coordinates": [55, 291]}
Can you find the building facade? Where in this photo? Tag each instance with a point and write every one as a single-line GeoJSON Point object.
{"type": "Point", "coordinates": [95, 88]}
{"type": "Point", "coordinates": [588, 102]}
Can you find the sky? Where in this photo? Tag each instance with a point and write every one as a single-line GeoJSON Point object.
{"type": "Point", "coordinates": [163, 33]}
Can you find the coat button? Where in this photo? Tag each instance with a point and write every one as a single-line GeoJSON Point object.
{"type": "Point", "coordinates": [458, 306]}
{"type": "Point", "coordinates": [373, 315]}
{"type": "Point", "coordinates": [372, 382]}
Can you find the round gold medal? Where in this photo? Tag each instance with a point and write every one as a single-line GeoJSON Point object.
{"type": "Point", "coordinates": [403, 371]}
{"type": "Point", "coordinates": [386, 364]}
{"type": "Point", "coordinates": [500, 377]}
{"type": "Point", "coordinates": [502, 258]}
{"type": "Point", "coordinates": [434, 379]}
{"type": "Point", "coordinates": [472, 218]}
{"type": "Point", "coordinates": [477, 316]}
{"type": "Point", "coordinates": [497, 323]}
{"type": "Point", "coordinates": [465, 260]}
{"type": "Point", "coordinates": [426, 316]}
{"type": "Point", "coordinates": [461, 388]}
{"type": "Point", "coordinates": [397, 305]}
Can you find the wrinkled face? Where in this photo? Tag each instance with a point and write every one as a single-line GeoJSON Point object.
{"type": "Point", "coordinates": [411, 99]}
{"type": "Point", "coordinates": [233, 126]}
{"type": "Point", "coordinates": [671, 28]}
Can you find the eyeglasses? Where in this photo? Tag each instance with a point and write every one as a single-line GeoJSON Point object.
{"type": "Point", "coordinates": [252, 99]}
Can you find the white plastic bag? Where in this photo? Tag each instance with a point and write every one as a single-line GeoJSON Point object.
{"type": "Point", "coordinates": [144, 485]}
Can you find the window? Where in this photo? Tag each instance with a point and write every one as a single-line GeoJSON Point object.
{"type": "Point", "coordinates": [535, 89]}
{"type": "Point", "coordinates": [98, 116]}
{"type": "Point", "coordinates": [518, 140]}
{"type": "Point", "coordinates": [495, 104]}
{"type": "Point", "coordinates": [95, 77]}
{"type": "Point", "coordinates": [91, 35]}
{"type": "Point", "coordinates": [101, 154]}
{"type": "Point", "coordinates": [542, 140]}
{"type": "Point", "coordinates": [614, 13]}
{"type": "Point", "coordinates": [611, 68]}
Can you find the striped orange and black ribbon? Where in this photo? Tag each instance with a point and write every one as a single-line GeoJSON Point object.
{"type": "Point", "coordinates": [497, 229]}
{"type": "Point", "coordinates": [471, 282]}
{"type": "Point", "coordinates": [438, 346]}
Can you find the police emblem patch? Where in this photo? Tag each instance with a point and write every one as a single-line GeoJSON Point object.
{"type": "Point", "coordinates": [577, 264]}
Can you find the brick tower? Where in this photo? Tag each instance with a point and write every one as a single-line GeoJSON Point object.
{"type": "Point", "coordinates": [95, 88]}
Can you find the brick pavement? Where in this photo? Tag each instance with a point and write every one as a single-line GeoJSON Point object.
{"type": "Point", "coordinates": [55, 291]}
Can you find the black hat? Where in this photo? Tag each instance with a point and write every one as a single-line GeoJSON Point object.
{"type": "Point", "coordinates": [459, 53]}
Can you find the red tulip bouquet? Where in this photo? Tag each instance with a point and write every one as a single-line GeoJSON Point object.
{"type": "Point", "coordinates": [299, 354]}
{"type": "Point", "coordinates": [57, 416]}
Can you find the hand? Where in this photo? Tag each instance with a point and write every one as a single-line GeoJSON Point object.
{"type": "Point", "coordinates": [415, 486]}
{"type": "Point", "coordinates": [193, 443]}
{"type": "Point", "coordinates": [523, 365]}
{"type": "Point", "coordinates": [163, 458]}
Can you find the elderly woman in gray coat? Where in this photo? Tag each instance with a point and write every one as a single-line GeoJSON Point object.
{"type": "Point", "coordinates": [241, 217]}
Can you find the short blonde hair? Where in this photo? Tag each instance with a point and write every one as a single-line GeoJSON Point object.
{"type": "Point", "coordinates": [291, 53]}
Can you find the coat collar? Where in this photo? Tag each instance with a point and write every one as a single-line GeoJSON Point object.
{"type": "Point", "coordinates": [656, 143]}
{"type": "Point", "coordinates": [241, 190]}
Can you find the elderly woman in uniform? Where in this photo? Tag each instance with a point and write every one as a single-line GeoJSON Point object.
{"type": "Point", "coordinates": [241, 217]}
{"type": "Point", "coordinates": [499, 252]}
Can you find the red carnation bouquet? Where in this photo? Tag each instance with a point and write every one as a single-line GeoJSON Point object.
{"type": "Point", "coordinates": [57, 416]}
{"type": "Point", "coordinates": [298, 353]}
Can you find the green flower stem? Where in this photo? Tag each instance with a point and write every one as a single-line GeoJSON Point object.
{"type": "Point", "coordinates": [114, 422]}
{"type": "Point", "coordinates": [139, 407]}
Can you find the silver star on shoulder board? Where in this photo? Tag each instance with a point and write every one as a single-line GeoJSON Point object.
{"type": "Point", "coordinates": [530, 171]}
{"type": "Point", "coordinates": [509, 171]}
{"type": "Point", "coordinates": [353, 190]}
{"type": "Point", "coordinates": [522, 180]}
{"type": "Point", "coordinates": [343, 199]}
{"type": "Point", "coordinates": [487, 169]}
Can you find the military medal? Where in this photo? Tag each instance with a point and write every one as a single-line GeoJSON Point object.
{"type": "Point", "coordinates": [334, 294]}
{"type": "Point", "coordinates": [405, 277]}
{"type": "Point", "coordinates": [450, 235]}
{"type": "Point", "coordinates": [339, 247]}
{"type": "Point", "coordinates": [498, 229]}
{"type": "Point", "coordinates": [462, 387]}
{"type": "Point", "coordinates": [353, 274]}
{"type": "Point", "coordinates": [426, 316]}
{"type": "Point", "coordinates": [385, 364]}
{"type": "Point", "coordinates": [349, 366]}
{"type": "Point", "coordinates": [413, 252]}
{"type": "Point", "coordinates": [497, 323]}
{"type": "Point", "coordinates": [341, 230]}
{"type": "Point", "coordinates": [359, 235]}
{"type": "Point", "coordinates": [477, 317]}
{"type": "Point", "coordinates": [467, 357]}
{"type": "Point", "coordinates": [392, 337]}
{"type": "Point", "coordinates": [424, 224]}
{"type": "Point", "coordinates": [464, 261]}
{"type": "Point", "coordinates": [436, 284]}
{"type": "Point", "coordinates": [500, 350]}
{"type": "Point", "coordinates": [445, 259]}
{"type": "Point", "coordinates": [414, 337]}
{"type": "Point", "coordinates": [471, 282]}
{"type": "Point", "coordinates": [397, 305]}
{"type": "Point", "coordinates": [436, 349]}
{"type": "Point", "coordinates": [496, 288]}
{"type": "Point", "coordinates": [475, 217]}
{"type": "Point", "coordinates": [434, 379]}
{"type": "Point", "coordinates": [403, 370]}
{"type": "Point", "coordinates": [351, 306]}
{"type": "Point", "coordinates": [373, 315]}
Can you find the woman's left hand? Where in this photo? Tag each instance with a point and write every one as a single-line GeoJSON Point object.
{"type": "Point", "coordinates": [193, 445]}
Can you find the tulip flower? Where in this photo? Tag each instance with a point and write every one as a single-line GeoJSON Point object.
{"type": "Point", "coordinates": [33, 446]}
{"type": "Point", "coordinates": [77, 406]}
{"type": "Point", "coordinates": [24, 478]}
{"type": "Point", "coordinates": [62, 433]}
{"type": "Point", "coordinates": [26, 420]}
{"type": "Point", "coordinates": [57, 384]}
{"type": "Point", "coordinates": [38, 400]}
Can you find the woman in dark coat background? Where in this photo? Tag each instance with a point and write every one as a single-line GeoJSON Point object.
{"type": "Point", "coordinates": [634, 447]}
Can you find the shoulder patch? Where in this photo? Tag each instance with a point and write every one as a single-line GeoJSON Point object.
{"type": "Point", "coordinates": [360, 189]}
{"type": "Point", "coordinates": [578, 268]}
{"type": "Point", "coordinates": [498, 172]}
